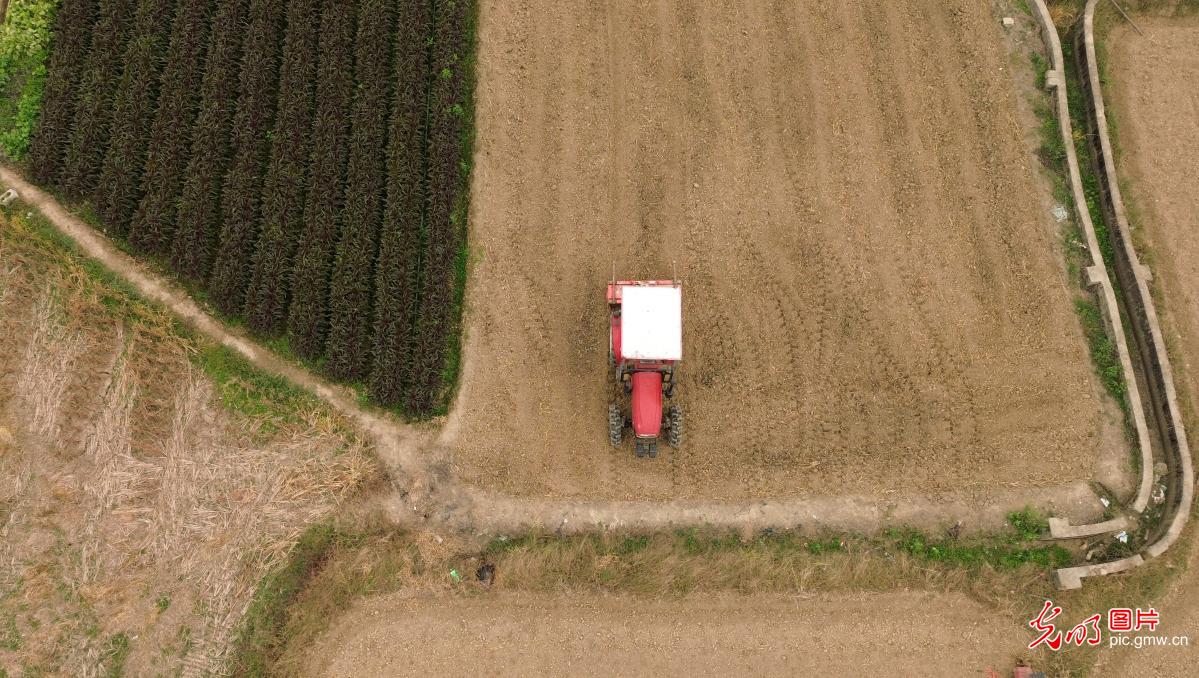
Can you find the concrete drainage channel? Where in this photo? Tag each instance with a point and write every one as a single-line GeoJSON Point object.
{"type": "Point", "coordinates": [1151, 391]}
{"type": "Point", "coordinates": [1098, 278]}
{"type": "Point", "coordinates": [423, 491]}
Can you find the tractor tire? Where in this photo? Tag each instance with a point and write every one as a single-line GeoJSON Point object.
{"type": "Point", "coordinates": [674, 431]}
{"type": "Point", "coordinates": [615, 425]}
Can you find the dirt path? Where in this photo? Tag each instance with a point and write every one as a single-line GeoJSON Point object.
{"type": "Point", "coordinates": [529, 635]}
{"type": "Point", "coordinates": [1154, 98]}
{"type": "Point", "coordinates": [396, 444]}
{"type": "Point", "coordinates": [873, 286]}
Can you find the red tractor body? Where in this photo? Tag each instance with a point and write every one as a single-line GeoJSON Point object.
{"type": "Point", "coordinates": [645, 319]}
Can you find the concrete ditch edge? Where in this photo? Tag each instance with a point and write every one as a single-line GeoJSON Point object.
{"type": "Point", "coordinates": [1068, 578]}
{"type": "Point", "coordinates": [1060, 528]}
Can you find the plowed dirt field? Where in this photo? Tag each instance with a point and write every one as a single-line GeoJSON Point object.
{"type": "Point", "coordinates": [529, 635]}
{"type": "Point", "coordinates": [875, 295]}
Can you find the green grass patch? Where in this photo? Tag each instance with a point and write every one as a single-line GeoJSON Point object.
{"type": "Point", "coordinates": [10, 634]}
{"type": "Point", "coordinates": [1007, 549]}
{"type": "Point", "coordinates": [115, 654]}
{"type": "Point", "coordinates": [999, 553]}
{"type": "Point", "coordinates": [459, 218]}
{"type": "Point", "coordinates": [25, 39]}
{"type": "Point", "coordinates": [267, 399]}
{"type": "Point", "coordinates": [260, 637]}
{"type": "Point", "coordinates": [1103, 350]}
{"type": "Point", "coordinates": [1029, 524]}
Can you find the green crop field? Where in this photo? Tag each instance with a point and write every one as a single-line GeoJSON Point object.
{"type": "Point", "coordinates": [302, 165]}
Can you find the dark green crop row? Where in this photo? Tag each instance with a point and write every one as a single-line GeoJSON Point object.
{"type": "Point", "coordinates": [303, 165]}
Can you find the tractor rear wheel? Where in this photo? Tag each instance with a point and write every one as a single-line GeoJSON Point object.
{"type": "Point", "coordinates": [674, 432]}
{"type": "Point", "coordinates": [615, 425]}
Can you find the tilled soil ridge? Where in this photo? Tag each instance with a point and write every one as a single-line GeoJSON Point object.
{"type": "Point", "coordinates": [873, 288]}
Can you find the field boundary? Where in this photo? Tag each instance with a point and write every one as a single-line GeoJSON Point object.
{"type": "Point", "coordinates": [1158, 371]}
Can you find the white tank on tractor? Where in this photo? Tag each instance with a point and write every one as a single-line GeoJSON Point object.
{"type": "Point", "coordinates": [646, 322]}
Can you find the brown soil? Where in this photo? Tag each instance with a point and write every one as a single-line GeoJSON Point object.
{"type": "Point", "coordinates": [1154, 98]}
{"type": "Point", "coordinates": [874, 290]}
{"type": "Point", "coordinates": [536, 635]}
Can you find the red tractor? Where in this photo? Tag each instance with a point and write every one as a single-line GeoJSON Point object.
{"type": "Point", "coordinates": [646, 321]}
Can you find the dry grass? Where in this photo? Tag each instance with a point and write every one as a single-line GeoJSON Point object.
{"type": "Point", "coordinates": [137, 513]}
{"type": "Point", "coordinates": [49, 356]}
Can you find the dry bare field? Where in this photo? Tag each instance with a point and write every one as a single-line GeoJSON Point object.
{"type": "Point", "coordinates": [922, 634]}
{"type": "Point", "coordinates": [876, 299]}
{"type": "Point", "coordinates": [138, 512]}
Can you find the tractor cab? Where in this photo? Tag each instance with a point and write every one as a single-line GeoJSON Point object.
{"type": "Point", "coordinates": [646, 344]}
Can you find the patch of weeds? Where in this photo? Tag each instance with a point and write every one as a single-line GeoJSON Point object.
{"type": "Point", "coordinates": [10, 635]}
{"type": "Point", "coordinates": [1004, 550]}
{"type": "Point", "coordinates": [632, 544]}
{"type": "Point", "coordinates": [267, 399]}
{"type": "Point", "coordinates": [162, 603]}
{"type": "Point", "coordinates": [1001, 554]}
{"type": "Point", "coordinates": [1115, 549]}
{"type": "Point", "coordinates": [281, 347]}
{"type": "Point", "coordinates": [37, 237]}
{"type": "Point", "coordinates": [185, 640]}
{"type": "Point", "coordinates": [181, 645]}
{"type": "Point", "coordinates": [261, 636]}
{"type": "Point", "coordinates": [819, 546]}
{"type": "Point", "coordinates": [682, 584]}
{"type": "Point", "coordinates": [115, 654]}
{"type": "Point", "coordinates": [1039, 67]}
{"type": "Point", "coordinates": [1052, 151]}
{"type": "Point", "coordinates": [24, 48]}
{"type": "Point", "coordinates": [504, 544]}
{"type": "Point", "coordinates": [1029, 523]}
{"type": "Point", "coordinates": [1103, 350]}
{"type": "Point", "coordinates": [1090, 181]}
{"type": "Point", "coordinates": [695, 542]}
